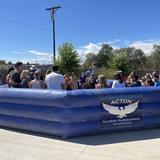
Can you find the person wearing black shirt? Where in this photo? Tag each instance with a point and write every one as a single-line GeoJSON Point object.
{"type": "Point", "coordinates": [15, 79]}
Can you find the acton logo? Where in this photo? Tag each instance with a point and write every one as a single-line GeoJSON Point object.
{"type": "Point", "coordinates": [120, 107]}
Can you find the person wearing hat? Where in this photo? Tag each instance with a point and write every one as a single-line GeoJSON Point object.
{"type": "Point", "coordinates": [54, 80]}
{"type": "Point", "coordinates": [32, 70]}
{"type": "Point", "coordinates": [15, 76]}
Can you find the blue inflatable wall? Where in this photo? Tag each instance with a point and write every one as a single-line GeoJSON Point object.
{"type": "Point", "coordinates": [81, 112]}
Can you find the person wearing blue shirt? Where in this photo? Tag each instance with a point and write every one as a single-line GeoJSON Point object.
{"type": "Point", "coordinates": [156, 80]}
{"type": "Point", "coordinates": [135, 82]}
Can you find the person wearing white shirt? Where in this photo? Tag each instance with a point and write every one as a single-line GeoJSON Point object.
{"type": "Point", "coordinates": [118, 83]}
{"type": "Point", "coordinates": [54, 80]}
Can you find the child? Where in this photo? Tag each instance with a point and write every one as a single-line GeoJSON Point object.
{"type": "Point", "coordinates": [36, 83]}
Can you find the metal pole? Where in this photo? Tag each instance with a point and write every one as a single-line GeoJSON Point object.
{"type": "Point", "coordinates": [52, 11]}
{"type": "Point", "coordinates": [54, 39]}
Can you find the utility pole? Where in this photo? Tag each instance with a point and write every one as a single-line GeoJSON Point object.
{"type": "Point", "coordinates": [53, 10]}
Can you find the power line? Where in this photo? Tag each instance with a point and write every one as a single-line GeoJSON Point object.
{"type": "Point", "coordinates": [72, 25]}
{"type": "Point", "coordinates": [61, 28]}
{"type": "Point", "coordinates": [73, 28]}
{"type": "Point", "coordinates": [25, 24]}
{"type": "Point", "coordinates": [61, 31]}
{"type": "Point", "coordinates": [60, 35]}
{"type": "Point", "coordinates": [64, 32]}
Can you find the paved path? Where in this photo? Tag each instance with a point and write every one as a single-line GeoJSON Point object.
{"type": "Point", "coordinates": [139, 145]}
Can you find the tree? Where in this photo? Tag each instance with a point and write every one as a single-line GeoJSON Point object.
{"type": "Point", "coordinates": [120, 61]}
{"type": "Point", "coordinates": [102, 59]}
{"type": "Point", "coordinates": [104, 56]}
{"type": "Point", "coordinates": [90, 59]}
{"type": "Point", "coordinates": [137, 59]}
{"type": "Point", "coordinates": [68, 58]}
{"type": "Point", "coordinates": [149, 62]}
{"type": "Point", "coordinates": [10, 63]}
{"type": "Point", "coordinates": [128, 59]}
{"type": "Point", "coordinates": [155, 57]}
{"type": "Point", "coordinates": [2, 62]}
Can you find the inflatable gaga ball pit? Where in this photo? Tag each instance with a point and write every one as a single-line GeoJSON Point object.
{"type": "Point", "coordinates": [81, 112]}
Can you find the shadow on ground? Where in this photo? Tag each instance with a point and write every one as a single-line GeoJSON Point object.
{"type": "Point", "coordinates": [103, 139]}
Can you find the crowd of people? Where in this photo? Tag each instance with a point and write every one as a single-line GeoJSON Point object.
{"type": "Point", "coordinates": [33, 78]}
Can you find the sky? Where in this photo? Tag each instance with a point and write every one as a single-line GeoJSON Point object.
{"type": "Point", "coordinates": [26, 28]}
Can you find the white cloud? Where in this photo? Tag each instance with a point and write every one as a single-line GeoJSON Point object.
{"type": "Point", "coordinates": [31, 56]}
{"type": "Point", "coordinates": [95, 47]}
{"type": "Point", "coordinates": [46, 58]}
{"type": "Point", "coordinates": [38, 53]}
{"type": "Point", "coordinates": [146, 46]}
{"type": "Point", "coordinates": [91, 48]}
{"type": "Point", "coordinates": [30, 60]}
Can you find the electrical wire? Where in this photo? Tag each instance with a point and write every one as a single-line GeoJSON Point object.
{"type": "Point", "coordinates": [61, 36]}
{"type": "Point", "coordinates": [25, 24]}
{"type": "Point", "coordinates": [40, 3]}
{"type": "Point", "coordinates": [73, 28]}
{"type": "Point", "coordinates": [61, 31]}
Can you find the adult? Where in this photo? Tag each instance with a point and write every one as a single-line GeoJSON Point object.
{"type": "Point", "coordinates": [55, 80]}
{"type": "Point", "coordinates": [149, 82]}
{"type": "Point", "coordinates": [156, 80]}
{"type": "Point", "coordinates": [81, 80]}
{"type": "Point", "coordinates": [32, 70]}
{"type": "Point", "coordinates": [1, 82]}
{"type": "Point", "coordinates": [118, 82]}
{"type": "Point", "coordinates": [135, 81]}
{"type": "Point", "coordinates": [74, 81]}
{"type": "Point", "coordinates": [9, 75]}
{"type": "Point", "coordinates": [94, 68]}
{"type": "Point", "coordinates": [148, 76]}
{"type": "Point", "coordinates": [86, 85]}
{"type": "Point", "coordinates": [88, 73]}
{"type": "Point", "coordinates": [92, 80]}
{"type": "Point", "coordinates": [15, 80]}
{"type": "Point", "coordinates": [102, 82]}
{"type": "Point", "coordinates": [68, 82]}
{"type": "Point", "coordinates": [25, 79]}
{"type": "Point", "coordinates": [143, 81]}
{"type": "Point", "coordinates": [48, 72]}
